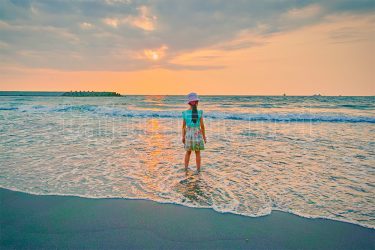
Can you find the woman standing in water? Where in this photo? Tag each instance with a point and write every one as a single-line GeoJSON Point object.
{"type": "Point", "coordinates": [193, 133]}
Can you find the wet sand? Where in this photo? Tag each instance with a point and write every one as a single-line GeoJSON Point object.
{"type": "Point", "coordinates": [35, 221]}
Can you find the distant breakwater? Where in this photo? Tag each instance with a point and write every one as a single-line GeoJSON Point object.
{"type": "Point", "coordinates": [89, 93]}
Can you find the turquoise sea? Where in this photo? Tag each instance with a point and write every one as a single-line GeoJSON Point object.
{"type": "Point", "coordinates": [313, 156]}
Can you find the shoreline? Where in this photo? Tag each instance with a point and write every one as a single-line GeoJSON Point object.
{"type": "Point", "coordinates": [52, 221]}
{"type": "Point", "coordinates": [187, 205]}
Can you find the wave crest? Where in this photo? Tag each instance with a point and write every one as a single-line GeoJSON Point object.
{"type": "Point", "coordinates": [261, 117]}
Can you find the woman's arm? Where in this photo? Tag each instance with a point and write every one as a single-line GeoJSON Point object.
{"type": "Point", "coordinates": [203, 130]}
{"type": "Point", "coordinates": [183, 131]}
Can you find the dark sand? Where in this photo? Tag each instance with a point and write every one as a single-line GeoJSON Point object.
{"type": "Point", "coordinates": [33, 221]}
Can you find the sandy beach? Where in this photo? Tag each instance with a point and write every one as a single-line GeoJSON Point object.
{"type": "Point", "coordinates": [34, 221]}
{"type": "Point", "coordinates": [187, 124]}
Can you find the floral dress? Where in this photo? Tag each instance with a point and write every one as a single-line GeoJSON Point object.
{"type": "Point", "coordinates": [193, 137]}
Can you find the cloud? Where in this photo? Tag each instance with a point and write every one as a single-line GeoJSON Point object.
{"type": "Point", "coordinates": [309, 11]}
{"type": "Point", "coordinates": [121, 34]}
{"type": "Point", "coordinates": [86, 26]}
{"type": "Point", "coordinates": [347, 35]}
{"type": "Point", "coordinates": [154, 54]}
{"type": "Point", "coordinates": [353, 30]}
{"type": "Point", "coordinates": [111, 2]}
{"type": "Point", "coordinates": [145, 20]}
{"type": "Point", "coordinates": [114, 22]}
{"type": "Point", "coordinates": [3, 45]}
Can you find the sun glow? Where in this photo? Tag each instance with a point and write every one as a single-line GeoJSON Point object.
{"type": "Point", "coordinates": [155, 54]}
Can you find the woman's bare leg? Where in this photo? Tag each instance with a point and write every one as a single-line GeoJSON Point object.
{"type": "Point", "coordinates": [198, 159]}
{"type": "Point", "coordinates": [187, 158]}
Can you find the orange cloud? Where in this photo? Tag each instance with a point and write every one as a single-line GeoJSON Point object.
{"type": "Point", "coordinates": [144, 20]}
{"type": "Point", "coordinates": [155, 54]}
{"type": "Point", "coordinates": [113, 22]}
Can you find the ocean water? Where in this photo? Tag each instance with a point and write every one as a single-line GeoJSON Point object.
{"type": "Point", "coordinates": [311, 156]}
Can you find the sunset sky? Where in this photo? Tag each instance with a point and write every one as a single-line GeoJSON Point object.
{"type": "Point", "coordinates": [249, 47]}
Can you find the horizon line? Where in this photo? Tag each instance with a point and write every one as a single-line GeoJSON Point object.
{"type": "Point", "coordinates": [124, 94]}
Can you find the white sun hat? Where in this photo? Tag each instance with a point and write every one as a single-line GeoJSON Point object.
{"type": "Point", "coordinates": [192, 97]}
